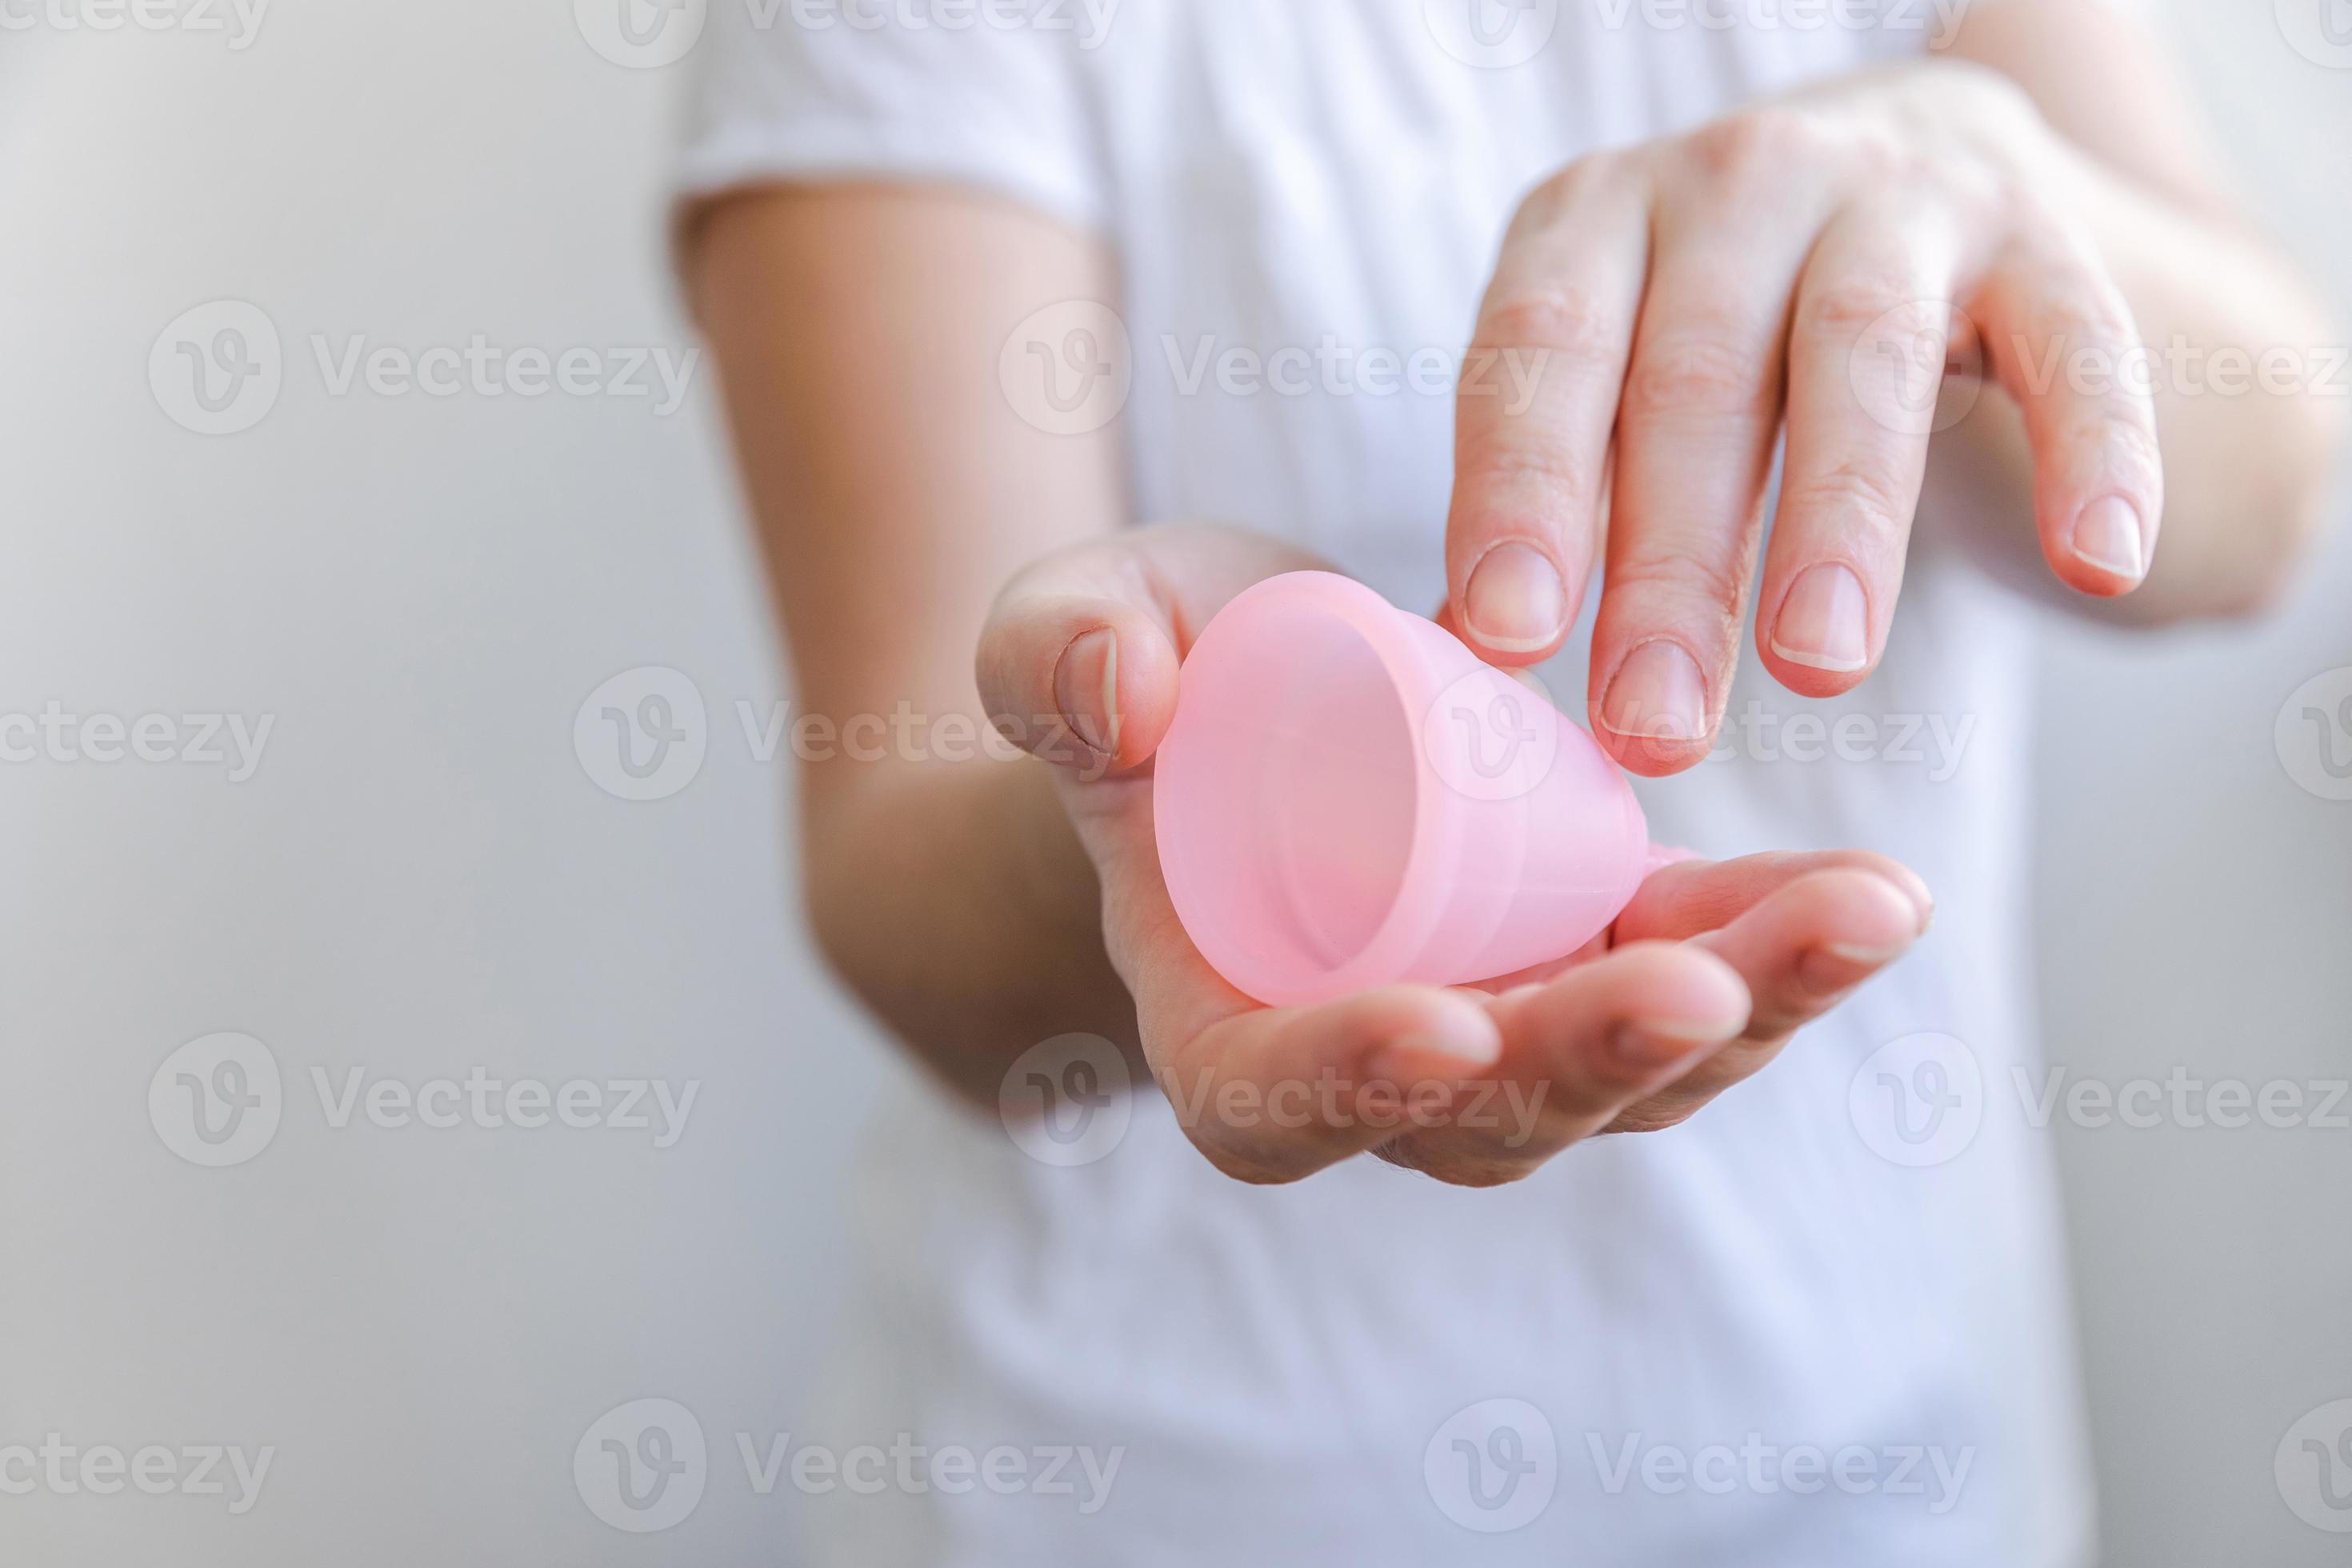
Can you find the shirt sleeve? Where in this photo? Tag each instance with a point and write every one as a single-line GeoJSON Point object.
{"type": "Point", "coordinates": [986, 93]}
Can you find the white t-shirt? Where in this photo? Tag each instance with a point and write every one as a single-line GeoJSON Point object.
{"type": "Point", "coordinates": [1824, 1322]}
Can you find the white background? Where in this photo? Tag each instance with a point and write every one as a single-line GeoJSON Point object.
{"type": "Point", "coordinates": [421, 878]}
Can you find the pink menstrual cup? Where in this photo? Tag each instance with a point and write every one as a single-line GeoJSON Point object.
{"type": "Point", "coordinates": [1348, 796]}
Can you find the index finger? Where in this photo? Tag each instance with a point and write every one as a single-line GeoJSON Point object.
{"type": "Point", "coordinates": [1536, 408]}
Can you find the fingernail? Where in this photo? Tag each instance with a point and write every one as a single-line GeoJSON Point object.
{"type": "Point", "coordinates": [1825, 620]}
{"type": "Point", "coordinates": [1853, 953]}
{"type": "Point", "coordinates": [1086, 688]}
{"type": "Point", "coordinates": [1914, 887]}
{"type": "Point", "coordinates": [1652, 1043]}
{"type": "Point", "coordinates": [1411, 1056]}
{"type": "Point", "coordinates": [2107, 536]}
{"type": "Point", "coordinates": [1658, 694]}
{"type": "Point", "coordinates": [1830, 968]}
{"type": "Point", "coordinates": [1515, 602]}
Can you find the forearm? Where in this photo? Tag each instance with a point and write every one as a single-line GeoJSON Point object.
{"type": "Point", "coordinates": [955, 901]}
{"type": "Point", "coordinates": [896, 488]}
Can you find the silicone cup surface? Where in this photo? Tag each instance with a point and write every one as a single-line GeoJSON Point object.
{"type": "Point", "coordinates": [1348, 797]}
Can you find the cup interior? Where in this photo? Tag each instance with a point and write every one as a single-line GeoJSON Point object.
{"type": "Point", "coordinates": [1303, 804]}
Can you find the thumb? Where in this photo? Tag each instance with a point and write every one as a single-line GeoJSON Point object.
{"type": "Point", "coordinates": [1079, 661]}
{"type": "Point", "coordinates": [1084, 679]}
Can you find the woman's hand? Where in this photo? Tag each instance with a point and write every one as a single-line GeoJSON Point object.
{"type": "Point", "coordinates": [1787, 265]}
{"type": "Point", "coordinates": [1704, 976]}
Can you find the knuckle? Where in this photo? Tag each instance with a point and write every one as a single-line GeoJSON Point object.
{"type": "Point", "coordinates": [1555, 197]}
{"type": "Point", "coordinates": [1656, 1114]}
{"type": "Point", "coordinates": [1757, 141]}
{"type": "Point", "coordinates": [1559, 317]}
{"type": "Point", "coordinates": [2044, 235]}
{"type": "Point", "coordinates": [1775, 1023]}
{"type": "Point", "coordinates": [1526, 465]}
{"type": "Point", "coordinates": [1248, 1166]}
{"type": "Point", "coordinates": [1856, 490]}
{"type": "Point", "coordinates": [1662, 581]}
{"type": "Point", "coordinates": [1884, 866]}
{"type": "Point", "coordinates": [1993, 92]}
{"type": "Point", "coordinates": [1850, 306]}
{"type": "Point", "coordinates": [1695, 372]}
{"type": "Point", "coordinates": [2125, 436]}
{"type": "Point", "coordinates": [1879, 151]}
{"type": "Point", "coordinates": [2094, 319]}
{"type": "Point", "coordinates": [1967, 181]}
{"type": "Point", "coordinates": [1476, 1171]}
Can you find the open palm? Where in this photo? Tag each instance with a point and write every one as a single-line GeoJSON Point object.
{"type": "Point", "coordinates": [1700, 981]}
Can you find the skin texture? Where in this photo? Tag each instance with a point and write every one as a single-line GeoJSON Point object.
{"type": "Point", "coordinates": [1774, 272]}
{"type": "Point", "coordinates": [1700, 295]}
